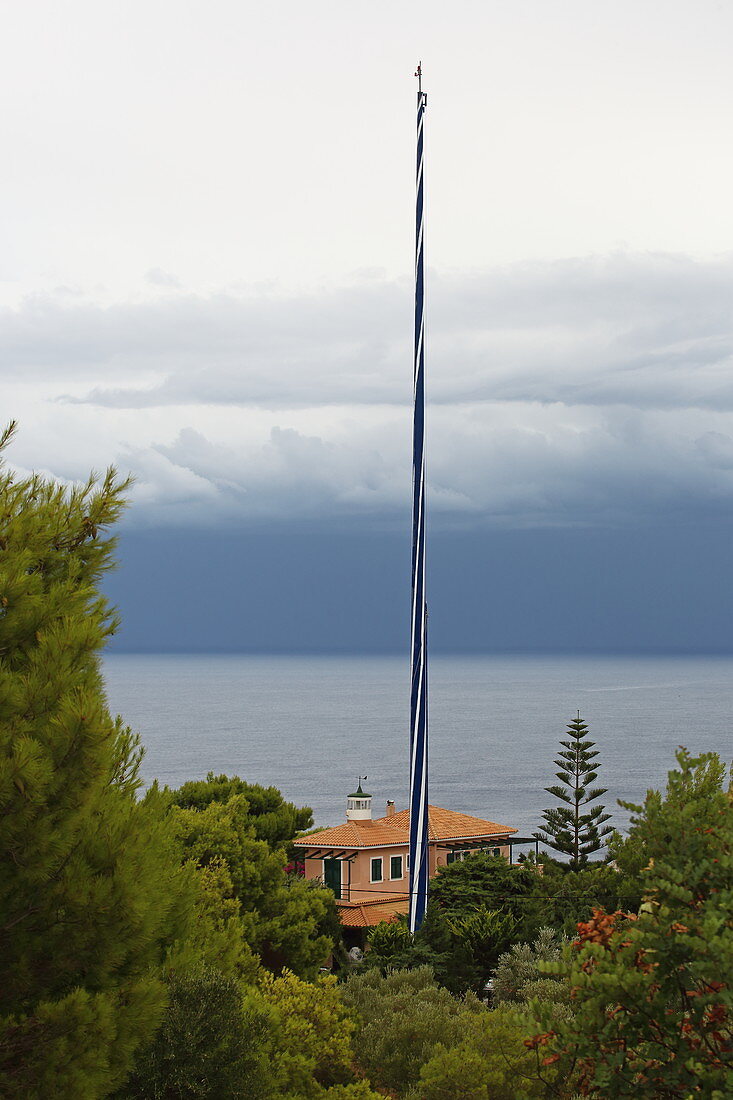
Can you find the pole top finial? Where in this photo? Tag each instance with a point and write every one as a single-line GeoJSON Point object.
{"type": "Point", "coordinates": [422, 98]}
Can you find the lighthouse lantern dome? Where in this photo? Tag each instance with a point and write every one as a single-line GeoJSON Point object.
{"type": "Point", "coordinates": [359, 805]}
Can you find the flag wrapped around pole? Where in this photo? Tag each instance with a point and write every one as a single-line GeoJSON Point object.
{"type": "Point", "coordinates": [418, 660]}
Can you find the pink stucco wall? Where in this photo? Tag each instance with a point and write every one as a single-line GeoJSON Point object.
{"type": "Point", "coordinates": [362, 888]}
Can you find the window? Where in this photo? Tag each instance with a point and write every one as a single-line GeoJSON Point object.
{"type": "Point", "coordinates": [496, 852]}
{"type": "Point", "coordinates": [377, 869]}
{"type": "Point", "coordinates": [395, 867]}
{"type": "Point", "coordinates": [332, 875]}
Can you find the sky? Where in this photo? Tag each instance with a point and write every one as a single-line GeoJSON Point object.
{"type": "Point", "coordinates": [206, 279]}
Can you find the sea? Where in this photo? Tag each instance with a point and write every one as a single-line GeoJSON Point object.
{"type": "Point", "coordinates": [313, 725]}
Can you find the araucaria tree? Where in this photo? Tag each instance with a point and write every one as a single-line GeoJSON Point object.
{"type": "Point", "coordinates": [576, 829]}
{"type": "Point", "coordinates": [92, 892]}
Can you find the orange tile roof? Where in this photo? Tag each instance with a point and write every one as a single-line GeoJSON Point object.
{"type": "Point", "coordinates": [450, 825]}
{"type": "Point", "coordinates": [395, 829]}
{"type": "Point", "coordinates": [352, 834]}
{"type": "Point", "coordinates": [365, 914]}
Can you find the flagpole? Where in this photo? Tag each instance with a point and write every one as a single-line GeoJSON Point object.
{"type": "Point", "coordinates": [418, 657]}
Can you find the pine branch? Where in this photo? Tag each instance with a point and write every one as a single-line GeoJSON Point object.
{"type": "Point", "coordinates": [558, 792]}
{"type": "Point", "coordinates": [7, 434]}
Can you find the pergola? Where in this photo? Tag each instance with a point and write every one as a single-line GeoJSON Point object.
{"type": "Point", "coordinates": [346, 855]}
{"type": "Point", "coordinates": [500, 840]}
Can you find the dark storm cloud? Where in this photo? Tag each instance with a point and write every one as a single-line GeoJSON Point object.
{"type": "Point", "coordinates": [547, 466]}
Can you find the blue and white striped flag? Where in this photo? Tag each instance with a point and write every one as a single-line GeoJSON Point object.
{"type": "Point", "coordinates": [419, 693]}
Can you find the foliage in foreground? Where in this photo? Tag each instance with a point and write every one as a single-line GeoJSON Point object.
{"type": "Point", "coordinates": [491, 1062]}
{"type": "Point", "coordinates": [210, 1043]}
{"type": "Point", "coordinates": [402, 1017]}
{"type": "Point", "coordinates": [652, 994]}
{"type": "Point", "coordinates": [312, 1055]}
{"type": "Point", "coordinates": [92, 895]}
{"type": "Point", "coordinates": [280, 1039]}
{"type": "Point", "coordinates": [419, 1042]}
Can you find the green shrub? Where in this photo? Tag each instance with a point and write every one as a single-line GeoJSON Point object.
{"type": "Point", "coordinates": [210, 1044]}
{"type": "Point", "coordinates": [491, 1062]}
{"type": "Point", "coordinates": [401, 1019]}
{"type": "Point", "coordinates": [517, 977]}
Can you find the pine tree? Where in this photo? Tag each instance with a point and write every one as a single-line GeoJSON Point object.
{"type": "Point", "coordinates": [568, 829]}
{"type": "Point", "coordinates": [92, 891]}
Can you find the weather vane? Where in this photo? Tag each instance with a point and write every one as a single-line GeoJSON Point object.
{"type": "Point", "coordinates": [418, 74]}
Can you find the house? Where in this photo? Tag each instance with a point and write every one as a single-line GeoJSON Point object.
{"type": "Point", "coordinates": [365, 860]}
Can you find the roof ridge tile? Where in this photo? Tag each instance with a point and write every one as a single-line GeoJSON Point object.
{"type": "Point", "coordinates": [442, 825]}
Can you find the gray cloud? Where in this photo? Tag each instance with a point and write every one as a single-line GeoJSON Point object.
{"type": "Point", "coordinates": [156, 276]}
{"type": "Point", "coordinates": [573, 392]}
{"type": "Point", "coordinates": [650, 330]}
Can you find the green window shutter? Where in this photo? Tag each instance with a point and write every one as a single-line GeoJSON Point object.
{"type": "Point", "coordinates": [395, 867]}
{"type": "Point", "coordinates": [377, 869]}
{"type": "Point", "coordinates": [332, 875]}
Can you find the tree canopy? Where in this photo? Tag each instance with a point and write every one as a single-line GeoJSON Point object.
{"type": "Point", "coordinates": [273, 819]}
{"type": "Point", "coordinates": [92, 895]}
{"type": "Point", "coordinates": [482, 879]}
{"type": "Point", "coordinates": [402, 1016]}
{"type": "Point", "coordinates": [285, 920]}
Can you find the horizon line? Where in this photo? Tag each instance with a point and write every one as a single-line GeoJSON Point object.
{"type": "Point", "coordinates": [341, 652]}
